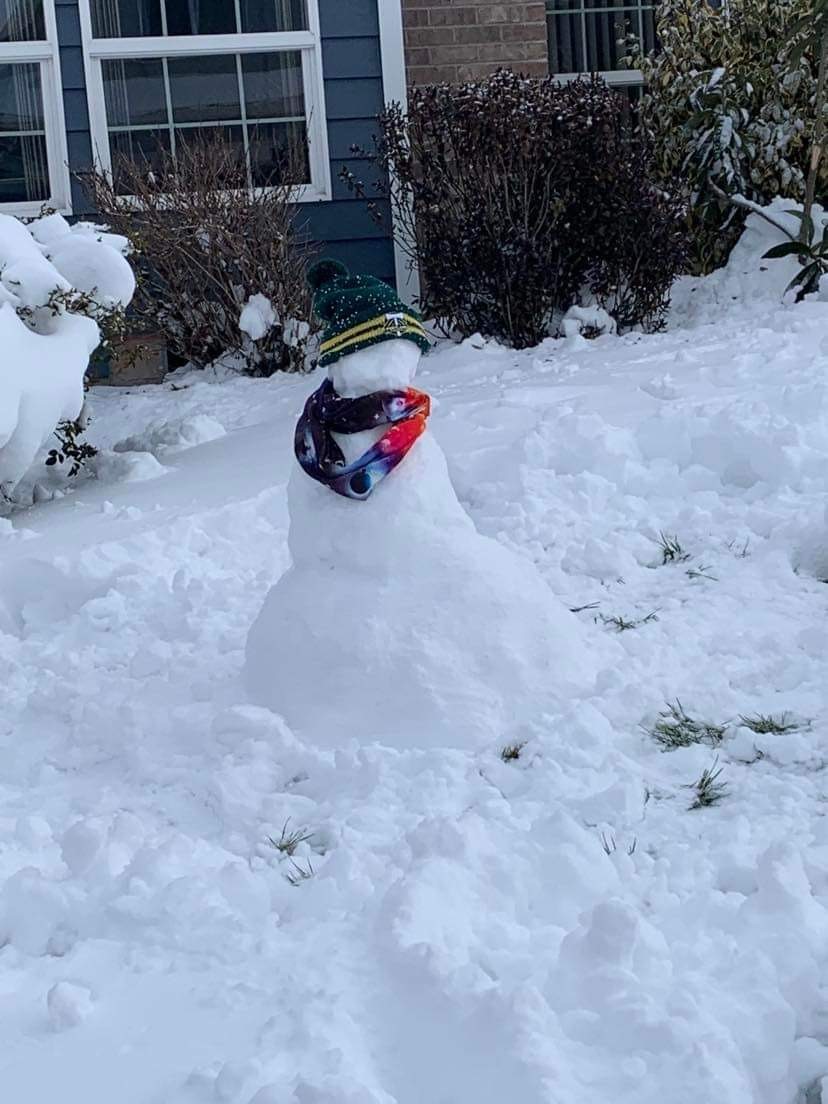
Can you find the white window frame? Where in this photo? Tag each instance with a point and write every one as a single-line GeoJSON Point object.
{"type": "Point", "coordinates": [308, 43]}
{"type": "Point", "coordinates": [44, 53]}
{"type": "Point", "coordinates": [625, 78]}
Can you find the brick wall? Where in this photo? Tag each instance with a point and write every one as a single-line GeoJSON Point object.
{"type": "Point", "coordinates": [456, 40]}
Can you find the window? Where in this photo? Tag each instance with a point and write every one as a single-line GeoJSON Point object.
{"type": "Point", "coordinates": [32, 143]}
{"type": "Point", "coordinates": [162, 73]}
{"type": "Point", "coordinates": [584, 36]}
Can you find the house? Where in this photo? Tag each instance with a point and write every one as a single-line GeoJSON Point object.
{"type": "Point", "coordinates": [84, 80]}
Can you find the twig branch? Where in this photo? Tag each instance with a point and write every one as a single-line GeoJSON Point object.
{"type": "Point", "coordinates": [748, 205]}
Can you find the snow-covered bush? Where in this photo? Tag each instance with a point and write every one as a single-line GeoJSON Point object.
{"type": "Point", "coordinates": [749, 281]}
{"type": "Point", "coordinates": [727, 108]}
{"type": "Point", "coordinates": [208, 246]}
{"type": "Point", "coordinates": [56, 283]}
{"type": "Point", "coordinates": [517, 196]}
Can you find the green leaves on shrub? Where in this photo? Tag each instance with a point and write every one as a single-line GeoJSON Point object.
{"type": "Point", "coordinates": [729, 98]}
{"type": "Point", "coordinates": [813, 256]}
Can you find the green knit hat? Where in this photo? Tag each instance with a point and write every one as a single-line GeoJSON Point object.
{"type": "Point", "coordinates": [358, 311]}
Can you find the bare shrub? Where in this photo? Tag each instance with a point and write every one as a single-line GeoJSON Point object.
{"type": "Point", "coordinates": [206, 241]}
{"type": "Point", "coordinates": [517, 197]}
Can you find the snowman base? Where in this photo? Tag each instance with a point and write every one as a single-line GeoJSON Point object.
{"type": "Point", "coordinates": [399, 623]}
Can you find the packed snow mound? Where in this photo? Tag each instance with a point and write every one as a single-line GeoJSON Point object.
{"type": "Point", "coordinates": [398, 621]}
{"type": "Point", "coordinates": [811, 549]}
{"type": "Point", "coordinates": [258, 317]}
{"type": "Point", "coordinates": [747, 279]}
{"type": "Point", "coordinates": [181, 433]}
{"type": "Point", "coordinates": [46, 348]}
{"type": "Point", "coordinates": [125, 467]}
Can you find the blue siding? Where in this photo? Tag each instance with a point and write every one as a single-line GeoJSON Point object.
{"type": "Point", "coordinates": [353, 95]}
{"type": "Point", "coordinates": [343, 228]}
{"type": "Point", "coordinates": [74, 96]}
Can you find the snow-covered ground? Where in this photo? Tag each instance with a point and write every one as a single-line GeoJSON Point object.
{"type": "Point", "coordinates": [556, 928]}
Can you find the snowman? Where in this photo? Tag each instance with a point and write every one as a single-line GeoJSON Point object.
{"type": "Point", "coordinates": [397, 621]}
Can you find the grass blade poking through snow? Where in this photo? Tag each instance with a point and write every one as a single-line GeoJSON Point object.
{"type": "Point", "coordinates": [701, 572]}
{"type": "Point", "coordinates": [671, 549]}
{"type": "Point", "coordinates": [511, 752]}
{"type": "Point", "coordinates": [624, 624]}
{"type": "Point", "coordinates": [289, 841]}
{"type": "Point", "coordinates": [299, 873]}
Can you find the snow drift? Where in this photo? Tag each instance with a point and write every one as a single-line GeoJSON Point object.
{"type": "Point", "coordinates": [45, 346]}
{"type": "Point", "coordinates": [747, 279]}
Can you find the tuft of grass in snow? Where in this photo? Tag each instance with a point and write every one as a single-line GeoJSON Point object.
{"type": "Point", "coordinates": [740, 551]}
{"type": "Point", "coordinates": [623, 624]}
{"type": "Point", "coordinates": [675, 728]}
{"type": "Point", "coordinates": [609, 845]}
{"type": "Point", "coordinates": [299, 873]}
{"type": "Point", "coordinates": [289, 841]}
{"type": "Point", "coordinates": [709, 790]}
{"type": "Point", "coordinates": [671, 549]}
{"type": "Point", "coordinates": [766, 724]}
{"type": "Point", "coordinates": [701, 572]}
{"type": "Point", "coordinates": [512, 752]}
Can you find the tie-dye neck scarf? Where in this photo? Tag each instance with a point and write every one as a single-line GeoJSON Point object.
{"type": "Point", "coordinates": [327, 413]}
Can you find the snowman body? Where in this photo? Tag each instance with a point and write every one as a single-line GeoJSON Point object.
{"type": "Point", "coordinates": [397, 621]}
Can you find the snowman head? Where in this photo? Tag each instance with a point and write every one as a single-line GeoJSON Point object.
{"type": "Point", "coordinates": [384, 366]}
{"type": "Point", "coordinates": [359, 312]}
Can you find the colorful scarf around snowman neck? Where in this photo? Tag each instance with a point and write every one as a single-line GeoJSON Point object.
{"type": "Point", "coordinates": [327, 413]}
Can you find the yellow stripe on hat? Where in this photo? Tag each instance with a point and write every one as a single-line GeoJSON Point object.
{"type": "Point", "coordinates": [398, 324]}
{"type": "Point", "coordinates": [369, 335]}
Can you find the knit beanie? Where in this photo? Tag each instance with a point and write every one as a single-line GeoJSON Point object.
{"type": "Point", "coordinates": [358, 311]}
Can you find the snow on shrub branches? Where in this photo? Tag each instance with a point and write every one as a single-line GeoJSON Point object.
{"type": "Point", "coordinates": [55, 280]}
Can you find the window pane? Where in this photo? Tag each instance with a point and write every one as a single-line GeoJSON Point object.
{"type": "Point", "coordinates": [204, 89]}
{"type": "Point", "coordinates": [191, 17]}
{"type": "Point", "coordinates": [209, 134]}
{"type": "Point", "coordinates": [193, 136]}
{"type": "Point", "coordinates": [273, 15]}
{"type": "Point", "coordinates": [273, 85]}
{"type": "Point", "coordinates": [24, 175]}
{"type": "Point", "coordinates": [604, 29]}
{"type": "Point", "coordinates": [126, 18]}
{"type": "Point", "coordinates": [204, 103]}
{"type": "Point", "coordinates": [142, 146]}
{"type": "Point", "coordinates": [24, 168]}
{"type": "Point", "coordinates": [279, 154]}
{"type": "Point", "coordinates": [134, 92]}
{"type": "Point", "coordinates": [21, 20]}
{"type": "Point", "coordinates": [649, 32]}
{"type": "Point", "coordinates": [566, 47]}
{"type": "Point", "coordinates": [21, 98]}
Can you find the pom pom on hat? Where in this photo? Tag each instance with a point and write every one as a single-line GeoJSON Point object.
{"type": "Point", "coordinates": [322, 272]}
